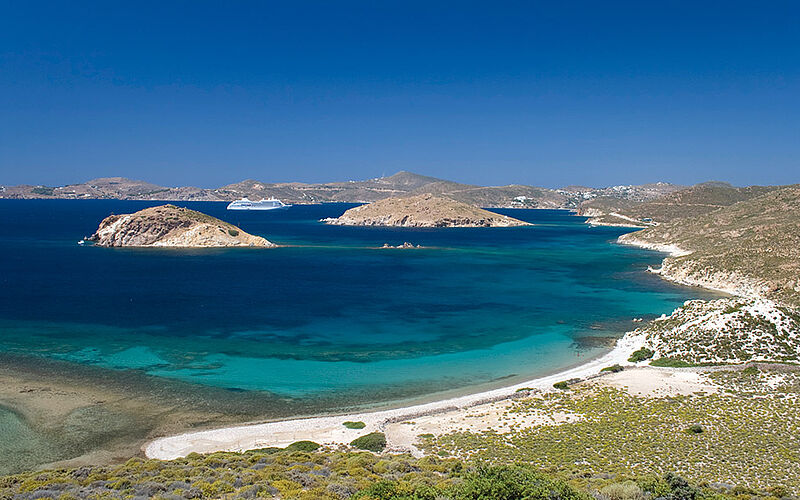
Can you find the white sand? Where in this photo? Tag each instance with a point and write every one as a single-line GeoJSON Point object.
{"type": "Point", "coordinates": [330, 431]}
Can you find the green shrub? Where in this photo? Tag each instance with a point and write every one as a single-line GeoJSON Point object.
{"type": "Point", "coordinates": [563, 385]}
{"type": "Point", "coordinates": [613, 368]}
{"type": "Point", "coordinates": [670, 363]}
{"type": "Point", "coordinates": [623, 491]}
{"type": "Point", "coordinates": [303, 446]}
{"type": "Point", "coordinates": [354, 425]}
{"type": "Point", "coordinates": [43, 190]}
{"type": "Point", "coordinates": [641, 355]}
{"type": "Point", "coordinates": [512, 483]}
{"type": "Point", "coordinates": [694, 429]}
{"type": "Point", "coordinates": [374, 441]}
{"type": "Point", "coordinates": [751, 370]}
{"type": "Point", "coordinates": [233, 232]}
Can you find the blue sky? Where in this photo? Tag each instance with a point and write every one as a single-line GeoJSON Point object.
{"type": "Point", "coordinates": [542, 93]}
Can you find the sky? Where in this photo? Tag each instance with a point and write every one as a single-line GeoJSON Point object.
{"type": "Point", "coordinates": [534, 92]}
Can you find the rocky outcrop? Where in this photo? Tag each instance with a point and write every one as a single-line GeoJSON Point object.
{"type": "Point", "coordinates": [171, 226]}
{"type": "Point", "coordinates": [425, 210]}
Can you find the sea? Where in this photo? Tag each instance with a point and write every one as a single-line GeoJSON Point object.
{"type": "Point", "coordinates": [327, 322]}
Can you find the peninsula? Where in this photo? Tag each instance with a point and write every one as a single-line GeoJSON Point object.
{"type": "Point", "coordinates": [171, 226]}
{"type": "Point", "coordinates": [424, 210]}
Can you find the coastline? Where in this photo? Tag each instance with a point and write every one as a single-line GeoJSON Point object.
{"type": "Point", "coordinates": [731, 283]}
{"type": "Point", "coordinates": [328, 430]}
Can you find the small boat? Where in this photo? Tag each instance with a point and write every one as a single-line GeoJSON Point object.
{"type": "Point", "coordinates": [245, 204]}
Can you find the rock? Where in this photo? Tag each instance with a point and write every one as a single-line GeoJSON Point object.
{"type": "Point", "coordinates": [171, 226]}
{"type": "Point", "coordinates": [425, 210]}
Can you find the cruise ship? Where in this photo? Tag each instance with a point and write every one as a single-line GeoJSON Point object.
{"type": "Point", "coordinates": [245, 204]}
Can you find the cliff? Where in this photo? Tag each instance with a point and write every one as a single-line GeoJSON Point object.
{"type": "Point", "coordinates": [171, 226]}
{"type": "Point", "coordinates": [424, 210]}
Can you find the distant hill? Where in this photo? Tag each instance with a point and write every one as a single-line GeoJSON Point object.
{"type": "Point", "coordinates": [751, 247]}
{"type": "Point", "coordinates": [365, 191]}
{"type": "Point", "coordinates": [688, 202]}
{"type": "Point", "coordinates": [423, 210]}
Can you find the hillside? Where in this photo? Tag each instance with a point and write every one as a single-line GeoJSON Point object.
{"type": "Point", "coordinates": [689, 202]}
{"type": "Point", "coordinates": [424, 210]}
{"type": "Point", "coordinates": [171, 226]}
{"type": "Point", "coordinates": [750, 248]}
{"type": "Point", "coordinates": [365, 191]}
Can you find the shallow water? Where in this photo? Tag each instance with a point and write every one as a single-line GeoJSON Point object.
{"type": "Point", "coordinates": [331, 322]}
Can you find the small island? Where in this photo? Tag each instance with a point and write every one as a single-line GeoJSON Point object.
{"type": "Point", "coordinates": [424, 210]}
{"type": "Point", "coordinates": [171, 226]}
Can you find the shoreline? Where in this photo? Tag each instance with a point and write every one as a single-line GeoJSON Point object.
{"type": "Point", "coordinates": [329, 431]}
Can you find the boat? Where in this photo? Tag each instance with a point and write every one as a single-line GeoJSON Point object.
{"type": "Point", "coordinates": [245, 204]}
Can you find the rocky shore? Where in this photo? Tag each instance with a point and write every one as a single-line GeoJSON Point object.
{"type": "Point", "coordinates": [425, 210]}
{"type": "Point", "coordinates": [171, 226]}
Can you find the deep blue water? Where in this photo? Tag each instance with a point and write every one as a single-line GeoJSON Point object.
{"type": "Point", "coordinates": [330, 315]}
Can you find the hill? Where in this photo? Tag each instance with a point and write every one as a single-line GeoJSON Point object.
{"type": "Point", "coordinates": [750, 248]}
{"type": "Point", "coordinates": [365, 191]}
{"type": "Point", "coordinates": [423, 210]}
{"type": "Point", "coordinates": [689, 202]}
{"type": "Point", "coordinates": [171, 226]}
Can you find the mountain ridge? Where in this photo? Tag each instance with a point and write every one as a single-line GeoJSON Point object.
{"type": "Point", "coordinates": [363, 191]}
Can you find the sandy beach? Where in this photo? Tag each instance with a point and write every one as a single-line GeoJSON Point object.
{"type": "Point", "coordinates": [402, 426]}
{"type": "Point", "coordinates": [329, 431]}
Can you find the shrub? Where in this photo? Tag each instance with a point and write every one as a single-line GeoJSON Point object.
{"type": "Point", "coordinates": [374, 441]}
{"type": "Point", "coordinates": [513, 482]}
{"type": "Point", "coordinates": [354, 425]}
{"type": "Point", "coordinates": [303, 446]}
{"type": "Point", "coordinates": [563, 385]}
{"type": "Point", "coordinates": [641, 355]}
{"type": "Point", "coordinates": [680, 488]}
{"type": "Point", "coordinates": [694, 429]}
{"type": "Point", "coordinates": [43, 190]}
{"type": "Point", "coordinates": [623, 491]}
{"type": "Point", "coordinates": [233, 232]}
{"type": "Point", "coordinates": [613, 368]}
{"type": "Point", "coordinates": [670, 363]}
{"type": "Point", "coordinates": [751, 370]}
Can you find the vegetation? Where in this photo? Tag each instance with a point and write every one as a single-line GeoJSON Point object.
{"type": "Point", "coordinates": [374, 441]}
{"type": "Point", "coordinates": [303, 446]}
{"type": "Point", "coordinates": [751, 432]}
{"type": "Point", "coordinates": [563, 385]}
{"type": "Point", "coordinates": [233, 232]}
{"type": "Point", "coordinates": [755, 242]}
{"type": "Point", "coordinates": [694, 429]}
{"type": "Point", "coordinates": [732, 330]}
{"type": "Point", "coordinates": [337, 475]}
{"type": "Point", "coordinates": [641, 355]}
{"type": "Point", "coordinates": [354, 425]}
{"type": "Point", "coordinates": [613, 368]}
{"type": "Point", "coordinates": [670, 363]}
{"type": "Point", "coordinates": [43, 190]}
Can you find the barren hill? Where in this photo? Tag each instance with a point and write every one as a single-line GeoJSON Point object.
{"type": "Point", "coordinates": [751, 247]}
{"type": "Point", "coordinates": [171, 226]}
{"type": "Point", "coordinates": [424, 210]}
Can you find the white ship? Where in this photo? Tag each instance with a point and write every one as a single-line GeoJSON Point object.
{"type": "Point", "coordinates": [245, 204]}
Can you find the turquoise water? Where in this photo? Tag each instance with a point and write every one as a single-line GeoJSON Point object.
{"type": "Point", "coordinates": [330, 318]}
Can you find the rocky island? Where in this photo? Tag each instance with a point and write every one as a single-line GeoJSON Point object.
{"type": "Point", "coordinates": [424, 210]}
{"type": "Point", "coordinates": [171, 226]}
